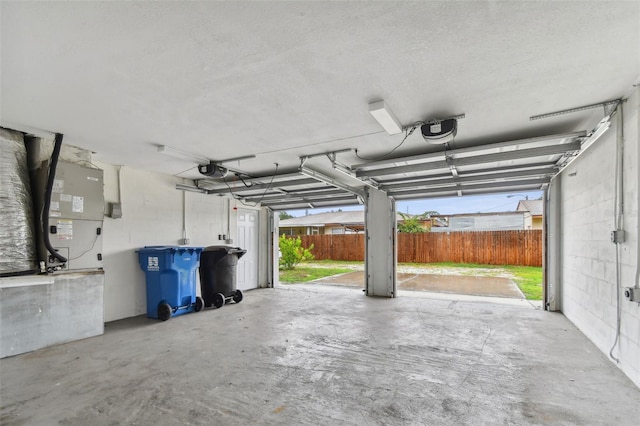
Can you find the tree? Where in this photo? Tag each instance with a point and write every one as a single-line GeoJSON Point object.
{"type": "Point", "coordinates": [292, 252]}
{"type": "Point", "coordinates": [413, 224]}
{"type": "Point", "coordinates": [285, 215]}
{"type": "Point", "coordinates": [410, 224]}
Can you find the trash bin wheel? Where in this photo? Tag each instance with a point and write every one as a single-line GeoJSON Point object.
{"type": "Point", "coordinates": [218, 300]}
{"type": "Point", "coordinates": [164, 311]}
{"type": "Point", "coordinates": [199, 304]}
{"type": "Point", "coordinates": [237, 296]}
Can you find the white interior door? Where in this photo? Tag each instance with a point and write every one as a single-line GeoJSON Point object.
{"type": "Point", "coordinates": [248, 240]}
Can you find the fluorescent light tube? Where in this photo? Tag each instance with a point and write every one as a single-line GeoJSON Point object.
{"type": "Point", "coordinates": [182, 155]}
{"type": "Point", "coordinates": [383, 115]}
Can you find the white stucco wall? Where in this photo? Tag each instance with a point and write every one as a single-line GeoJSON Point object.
{"type": "Point", "coordinates": [588, 256]}
{"type": "Point", "coordinates": [152, 214]}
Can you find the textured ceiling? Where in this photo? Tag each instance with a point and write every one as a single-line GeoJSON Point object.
{"type": "Point", "coordinates": [284, 80]}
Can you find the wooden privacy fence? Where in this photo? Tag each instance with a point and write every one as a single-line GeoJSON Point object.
{"type": "Point", "coordinates": [523, 248]}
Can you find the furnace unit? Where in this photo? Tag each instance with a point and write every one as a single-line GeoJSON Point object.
{"type": "Point", "coordinates": [76, 217]}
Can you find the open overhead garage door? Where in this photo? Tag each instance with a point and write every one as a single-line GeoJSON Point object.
{"type": "Point", "coordinates": [519, 165]}
{"type": "Point", "coordinates": [280, 192]}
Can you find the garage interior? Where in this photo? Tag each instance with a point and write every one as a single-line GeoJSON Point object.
{"type": "Point", "coordinates": [199, 121]}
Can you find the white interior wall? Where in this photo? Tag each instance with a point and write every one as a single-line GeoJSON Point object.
{"type": "Point", "coordinates": [589, 256]}
{"type": "Point", "coordinates": [152, 215]}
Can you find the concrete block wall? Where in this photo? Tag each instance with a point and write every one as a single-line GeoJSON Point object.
{"type": "Point", "coordinates": [152, 214]}
{"type": "Point", "coordinates": [588, 255]}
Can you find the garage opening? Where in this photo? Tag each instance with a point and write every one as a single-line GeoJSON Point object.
{"type": "Point", "coordinates": [476, 246]}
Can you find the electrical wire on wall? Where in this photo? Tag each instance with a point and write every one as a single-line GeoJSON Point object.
{"type": "Point", "coordinates": [637, 278]}
{"type": "Point", "coordinates": [238, 198]}
{"type": "Point", "coordinates": [184, 219]}
{"type": "Point", "coordinates": [87, 250]}
{"type": "Point", "coordinates": [618, 201]}
{"type": "Point", "coordinates": [120, 185]}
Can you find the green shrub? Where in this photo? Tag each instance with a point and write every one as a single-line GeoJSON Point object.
{"type": "Point", "coordinates": [410, 224]}
{"type": "Point", "coordinates": [292, 252]}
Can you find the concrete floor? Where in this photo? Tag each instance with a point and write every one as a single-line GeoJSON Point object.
{"type": "Point", "coordinates": [325, 355]}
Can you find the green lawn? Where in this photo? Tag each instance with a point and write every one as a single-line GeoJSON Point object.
{"type": "Point", "coordinates": [303, 274]}
{"type": "Point", "coordinates": [527, 278]}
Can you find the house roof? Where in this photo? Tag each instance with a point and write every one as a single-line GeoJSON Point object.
{"type": "Point", "coordinates": [321, 219]}
{"type": "Point", "coordinates": [534, 207]}
{"type": "Point", "coordinates": [357, 218]}
{"type": "Point", "coordinates": [478, 214]}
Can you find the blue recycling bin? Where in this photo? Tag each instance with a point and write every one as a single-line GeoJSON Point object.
{"type": "Point", "coordinates": [171, 280]}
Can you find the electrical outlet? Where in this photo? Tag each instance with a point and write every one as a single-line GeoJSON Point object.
{"type": "Point", "coordinates": [184, 241]}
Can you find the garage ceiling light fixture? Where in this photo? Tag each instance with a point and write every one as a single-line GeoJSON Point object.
{"type": "Point", "coordinates": [383, 115]}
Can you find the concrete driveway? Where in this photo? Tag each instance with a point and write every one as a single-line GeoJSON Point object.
{"type": "Point", "coordinates": [456, 284]}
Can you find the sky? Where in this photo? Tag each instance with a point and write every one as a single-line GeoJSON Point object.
{"type": "Point", "coordinates": [450, 205]}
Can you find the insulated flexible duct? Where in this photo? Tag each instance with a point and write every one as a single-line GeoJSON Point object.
{"type": "Point", "coordinates": [17, 242]}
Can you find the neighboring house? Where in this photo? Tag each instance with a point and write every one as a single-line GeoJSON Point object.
{"type": "Point", "coordinates": [349, 222]}
{"type": "Point", "coordinates": [536, 209]}
{"type": "Point", "coordinates": [352, 222]}
{"type": "Point", "coordinates": [504, 221]}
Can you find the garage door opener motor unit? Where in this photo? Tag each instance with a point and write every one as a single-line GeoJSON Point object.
{"type": "Point", "coordinates": [440, 132]}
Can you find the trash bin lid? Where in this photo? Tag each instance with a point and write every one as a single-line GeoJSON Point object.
{"type": "Point", "coordinates": [169, 249]}
{"type": "Point", "coordinates": [228, 249]}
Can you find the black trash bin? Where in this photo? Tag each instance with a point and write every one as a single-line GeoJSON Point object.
{"type": "Point", "coordinates": [218, 275]}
